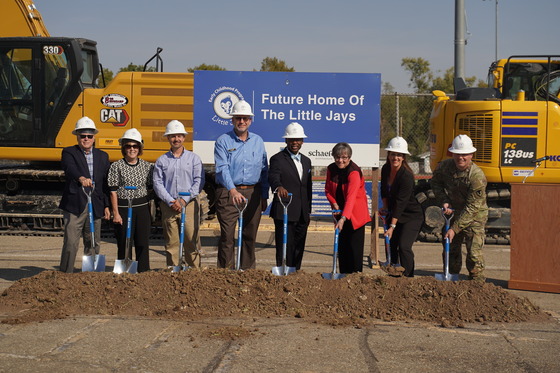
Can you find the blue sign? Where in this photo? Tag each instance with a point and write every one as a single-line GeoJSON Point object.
{"type": "Point", "coordinates": [331, 108]}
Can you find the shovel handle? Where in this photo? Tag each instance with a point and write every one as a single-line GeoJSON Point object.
{"type": "Point", "coordinates": [241, 210]}
{"type": "Point", "coordinates": [285, 205]}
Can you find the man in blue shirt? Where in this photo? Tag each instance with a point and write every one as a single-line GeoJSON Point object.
{"type": "Point", "coordinates": [241, 173]}
{"type": "Point", "coordinates": [179, 170]}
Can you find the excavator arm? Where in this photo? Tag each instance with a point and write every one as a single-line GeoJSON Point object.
{"type": "Point", "coordinates": [21, 18]}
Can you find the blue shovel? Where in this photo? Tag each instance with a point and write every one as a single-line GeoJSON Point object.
{"type": "Point", "coordinates": [240, 232]}
{"type": "Point", "coordinates": [386, 264]}
{"type": "Point", "coordinates": [334, 275]}
{"type": "Point", "coordinates": [284, 270]}
{"type": "Point", "coordinates": [181, 266]}
{"type": "Point", "coordinates": [127, 264]}
{"type": "Point", "coordinates": [93, 262]}
{"type": "Point", "coordinates": [446, 276]}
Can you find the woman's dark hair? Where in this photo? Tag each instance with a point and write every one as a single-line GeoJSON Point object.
{"type": "Point", "coordinates": [140, 147]}
{"type": "Point", "coordinates": [341, 148]}
{"type": "Point", "coordinates": [404, 162]}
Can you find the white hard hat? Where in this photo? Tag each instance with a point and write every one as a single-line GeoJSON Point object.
{"type": "Point", "coordinates": [84, 124]}
{"type": "Point", "coordinates": [397, 145]}
{"type": "Point", "coordinates": [241, 108]}
{"type": "Point", "coordinates": [132, 135]}
{"type": "Point", "coordinates": [462, 144]}
{"type": "Point", "coordinates": [175, 128]}
{"type": "Point", "coordinates": [294, 130]}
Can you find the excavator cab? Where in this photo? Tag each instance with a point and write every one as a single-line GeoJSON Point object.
{"type": "Point", "coordinates": [40, 79]}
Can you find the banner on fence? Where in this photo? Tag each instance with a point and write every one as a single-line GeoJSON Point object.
{"type": "Point", "coordinates": [331, 107]}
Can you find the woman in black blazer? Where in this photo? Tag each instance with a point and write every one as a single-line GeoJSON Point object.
{"type": "Point", "coordinates": [404, 213]}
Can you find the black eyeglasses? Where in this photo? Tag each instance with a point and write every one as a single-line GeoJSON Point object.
{"type": "Point", "coordinates": [246, 119]}
{"type": "Point", "coordinates": [131, 146]}
{"type": "Point", "coordinates": [86, 136]}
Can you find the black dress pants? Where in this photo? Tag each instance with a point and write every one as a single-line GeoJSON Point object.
{"type": "Point", "coordinates": [140, 235]}
{"type": "Point", "coordinates": [403, 238]}
{"type": "Point", "coordinates": [297, 234]}
{"type": "Point", "coordinates": [351, 248]}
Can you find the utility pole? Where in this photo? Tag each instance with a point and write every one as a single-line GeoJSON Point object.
{"type": "Point", "coordinates": [459, 39]}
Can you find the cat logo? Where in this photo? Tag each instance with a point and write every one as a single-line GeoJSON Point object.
{"type": "Point", "coordinates": [117, 117]}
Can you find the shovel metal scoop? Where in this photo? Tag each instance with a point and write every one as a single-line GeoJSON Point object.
{"type": "Point", "coordinates": [127, 264]}
{"type": "Point", "coordinates": [284, 270]}
{"type": "Point", "coordinates": [334, 275]}
{"type": "Point", "coordinates": [239, 232]}
{"type": "Point", "coordinates": [446, 276]}
{"type": "Point", "coordinates": [93, 262]}
{"type": "Point", "coordinates": [181, 266]}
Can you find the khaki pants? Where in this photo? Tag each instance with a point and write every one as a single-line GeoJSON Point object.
{"type": "Point", "coordinates": [171, 222]}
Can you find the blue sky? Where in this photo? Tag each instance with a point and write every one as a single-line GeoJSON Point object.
{"type": "Point", "coordinates": [355, 36]}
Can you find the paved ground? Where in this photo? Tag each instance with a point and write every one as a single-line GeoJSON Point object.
{"type": "Point", "coordinates": [103, 344]}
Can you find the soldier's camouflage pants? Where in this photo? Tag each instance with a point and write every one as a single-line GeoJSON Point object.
{"type": "Point", "coordinates": [473, 237]}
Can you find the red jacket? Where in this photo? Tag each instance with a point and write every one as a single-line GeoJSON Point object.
{"type": "Point", "coordinates": [354, 191]}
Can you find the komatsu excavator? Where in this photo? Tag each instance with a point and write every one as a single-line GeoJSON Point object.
{"type": "Point", "coordinates": [515, 127]}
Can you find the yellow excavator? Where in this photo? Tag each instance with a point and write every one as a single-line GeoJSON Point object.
{"type": "Point", "coordinates": [47, 84]}
{"type": "Point", "coordinates": [515, 126]}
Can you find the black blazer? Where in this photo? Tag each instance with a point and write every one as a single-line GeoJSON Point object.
{"type": "Point", "coordinates": [74, 165]}
{"type": "Point", "coordinates": [283, 173]}
{"type": "Point", "coordinates": [402, 202]}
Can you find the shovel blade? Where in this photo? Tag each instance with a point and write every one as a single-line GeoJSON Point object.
{"type": "Point", "coordinates": [88, 263]}
{"type": "Point", "coordinates": [121, 266]}
{"type": "Point", "coordinates": [448, 277]}
{"type": "Point", "coordinates": [132, 267]}
{"type": "Point", "coordinates": [93, 263]}
{"type": "Point", "coordinates": [100, 263]}
{"type": "Point", "coordinates": [283, 271]}
{"type": "Point", "coordinates": [176, 269]}
{"type": "Point", "coordinates": [333, 276]}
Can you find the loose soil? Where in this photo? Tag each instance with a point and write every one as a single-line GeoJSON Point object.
{"type": "Point", "coordinates": [355, 300]}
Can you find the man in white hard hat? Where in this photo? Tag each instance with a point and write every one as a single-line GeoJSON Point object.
{"type": "Point", "coordinates": [290, 172]}
{"type": "Point", "coordinates": [84, 167]}
{"type": "Point", "coordinates": [241, 174]}
{"type": "Point", "coordinates": [459, 186]}
{"type": "Point", "coordinates": [179, 171]}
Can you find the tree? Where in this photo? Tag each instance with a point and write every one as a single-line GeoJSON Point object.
{"type": "Point", "coordinates": [387, 88]}
{"type": "Point", "coordinates": [274, 64]}
{"type": "Point", "coordinates": [445, 83]}
{"type": "Point", "coordinates": [205, 67]}
{"type": "Point", "coordinates": [420, 74]}
{"type": "Point", "coordinates": [107, 76]}
{"type": "Point", "coordinates": [133, 67]}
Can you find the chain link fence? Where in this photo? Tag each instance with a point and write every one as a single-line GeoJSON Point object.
{"type": "Point", "coordinates": [408, 116]}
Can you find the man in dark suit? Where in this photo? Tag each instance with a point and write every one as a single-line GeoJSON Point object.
{"type": "Point", "coordinates": [84, 167]}
{"type": "Point", "coordinates": [290, 172]}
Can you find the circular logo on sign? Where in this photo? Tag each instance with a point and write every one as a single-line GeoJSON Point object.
{"type": "Point", "coordinates": [223, 103]}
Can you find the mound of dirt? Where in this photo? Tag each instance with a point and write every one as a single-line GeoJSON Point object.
{"type": "Point", "coordinates": [354, 300]}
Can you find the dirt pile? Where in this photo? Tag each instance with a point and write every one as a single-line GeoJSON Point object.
{"type": "Point", "coordinates": [355, 300]}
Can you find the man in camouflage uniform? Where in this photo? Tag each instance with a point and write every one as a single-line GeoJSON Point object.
{"type": "Point", "coordinates": [459, 186]}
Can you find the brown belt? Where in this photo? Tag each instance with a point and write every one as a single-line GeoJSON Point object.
{"type": "Point", "coordinates": [245, 186]}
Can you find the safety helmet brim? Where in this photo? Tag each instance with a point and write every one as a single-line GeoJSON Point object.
{"type": "Point", "coordinates": [470, 150]}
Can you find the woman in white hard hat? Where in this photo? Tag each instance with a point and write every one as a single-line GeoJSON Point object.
{"type": "Point", "coordinates": [403, 214]}
{"type": "Point", "coordinates": [135, 172]}
{"type": "Point", "coordinates": [345, 190]}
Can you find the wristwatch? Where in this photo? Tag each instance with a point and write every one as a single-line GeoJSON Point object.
{"type": "Point", "coordinates": [393, 226]}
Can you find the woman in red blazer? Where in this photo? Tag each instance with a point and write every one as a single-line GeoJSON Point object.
{"type": "Point", "coordinates": [345, 190]}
